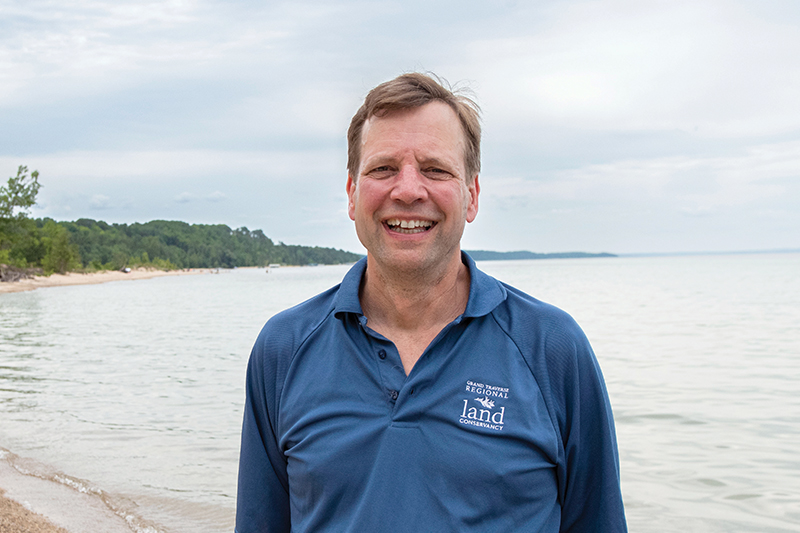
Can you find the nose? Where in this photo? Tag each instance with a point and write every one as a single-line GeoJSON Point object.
{"type": "Point", "coordinates": [409, 185]}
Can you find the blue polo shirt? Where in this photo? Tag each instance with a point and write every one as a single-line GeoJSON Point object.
{"type": "Point", "coordinates": [503, 424]}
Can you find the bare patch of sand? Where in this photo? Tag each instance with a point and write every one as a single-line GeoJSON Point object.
{"type": "Point", "coordinates": [14, 518]}
{"type": "Point", "coordinates": [72, 278]}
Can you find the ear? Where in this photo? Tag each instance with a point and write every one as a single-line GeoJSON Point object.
{"type": "Point", "coordinates": [351, 202]}
{"type": "Point", "coordinates": [474, 191]}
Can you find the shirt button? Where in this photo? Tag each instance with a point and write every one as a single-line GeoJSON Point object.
{"type": "Point", "coordinates": [393, 394]}
{"type": "Point", "coordinates": [412, 391]}
{"type": "Point", "coordinates": [382, 354]}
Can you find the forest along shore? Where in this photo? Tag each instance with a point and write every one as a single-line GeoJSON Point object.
{"type": "Point", "coordinates": [73, 278]}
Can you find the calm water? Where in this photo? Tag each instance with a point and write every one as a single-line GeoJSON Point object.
{"type": "Point", "coordinates": [134, 390]}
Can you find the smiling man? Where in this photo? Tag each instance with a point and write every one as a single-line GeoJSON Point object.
{"type": "Point", "coordinates": [421, 394]}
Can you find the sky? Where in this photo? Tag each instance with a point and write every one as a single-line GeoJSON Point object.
{"type": "Point", "coordinates": [623, 126]}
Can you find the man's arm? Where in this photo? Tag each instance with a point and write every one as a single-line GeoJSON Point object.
{"type": "Point", "coordinates": [262, 501]}
{"type": "Point", "coordinates": [567, 372]}
{"type": "Point", "coordinates": [591, 498]}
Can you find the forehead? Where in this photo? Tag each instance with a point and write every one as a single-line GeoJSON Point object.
{"type": "Point", "coordinates": [433, 127]}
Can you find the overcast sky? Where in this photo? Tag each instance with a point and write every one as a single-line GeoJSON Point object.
{"type": "Point", "coordinates": [621, 126]}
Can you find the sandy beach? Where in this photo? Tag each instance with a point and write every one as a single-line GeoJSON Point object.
{"type": "Point", "coordinates": [32, 505]}
{"type": "Point", "coordinates": [15, 518]}
{"type": "Point", "coordinates": [59, 280]}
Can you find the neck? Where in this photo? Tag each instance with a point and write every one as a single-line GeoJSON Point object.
{"type": "Point", "coordinates": [414, 301]}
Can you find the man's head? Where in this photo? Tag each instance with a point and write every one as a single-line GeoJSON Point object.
{"type": "Point", "coordinates": [413, 183]}
{"type": "Point", "coordinates": [410, 91]}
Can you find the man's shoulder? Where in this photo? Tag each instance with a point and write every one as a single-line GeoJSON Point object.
{"type": "Point", "coordinates": [550, 340]}
{"type": "Point", "coordinates": [521, 313]}
{"type": "Point", "coordinates": [286, 330]}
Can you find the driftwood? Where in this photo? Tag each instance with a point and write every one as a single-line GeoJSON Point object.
{"type": "Point", "coordinates": [10, 273]}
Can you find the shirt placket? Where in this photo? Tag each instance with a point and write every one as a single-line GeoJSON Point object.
{"type": "Point", "coordinates": [390, 366]}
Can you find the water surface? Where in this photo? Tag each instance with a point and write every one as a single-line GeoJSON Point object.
{"type": "Point", "coordinates": [135, 389]}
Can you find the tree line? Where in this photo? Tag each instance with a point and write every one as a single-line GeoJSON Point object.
{"type": "Point", "coordinates": [177, 244]}
{"type": "Point", "coordinates": [90, 245]}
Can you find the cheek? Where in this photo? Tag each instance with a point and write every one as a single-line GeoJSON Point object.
{"type": "Point", "coordinates": [366, 199]}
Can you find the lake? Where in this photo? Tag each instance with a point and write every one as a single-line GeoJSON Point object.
{"type": "Point", "coordinates": [133, 390]}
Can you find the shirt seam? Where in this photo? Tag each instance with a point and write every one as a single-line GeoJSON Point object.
{"type": "Point", "coordinates": [547, 400]}
{"type": "Point", "coordinates": [278, 423]}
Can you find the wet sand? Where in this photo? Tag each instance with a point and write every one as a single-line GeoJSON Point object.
{"type": "Point", "coordinates": [14, 518]}
{"type": "Point", "coordinates": [58, 280]}
{"type": "Point", "coordinates": [32, 505]}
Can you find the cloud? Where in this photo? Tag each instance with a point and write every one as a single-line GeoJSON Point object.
{"type": "Point", "coordinates": [216, 196]}
{"type": "Point", "coordinates": [164, 166]}
{"type": "Point", "coordinates": [184, 197]}
{"type": "Point", "coordinates": [719, 68]}
{"type": "Point", "coordinates": [762, 179]}
{"type": "Point", "coordinates": [99, 202]}
{"type": "Point", "coordinates": [593, 109]}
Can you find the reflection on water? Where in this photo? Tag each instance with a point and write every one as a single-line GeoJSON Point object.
{"type": "Point", "coordinates": [138, 386]}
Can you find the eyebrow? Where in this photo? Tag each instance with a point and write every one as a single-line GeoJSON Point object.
{"type": "Point", "coordinates": [377, 161]}
{"type": "Point", "coordinates": [435, 161]}
{"type": "Point", "coordinates": [389, 159]}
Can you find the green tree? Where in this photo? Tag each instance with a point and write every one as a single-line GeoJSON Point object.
{"type": "Point", "coordinates": [19, 242]}
{"type": "Point", "coordinates": [61, 256]}
{"type": "Point", "coordinates": [19, 194]}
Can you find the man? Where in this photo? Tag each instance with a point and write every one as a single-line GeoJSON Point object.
{"type": "Point", "coordinates": [421, 394]}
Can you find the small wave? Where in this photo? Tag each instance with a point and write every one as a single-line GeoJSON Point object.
{"type": "Point", "coordinates": [119, 505]}
{"type": "Point", "coordinates": [656, 417]}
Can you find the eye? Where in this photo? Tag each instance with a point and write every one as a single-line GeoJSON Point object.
{"type": "Point", "coordinates": [380, 172]}
{"type": "Point", "coordinates": [437, 173]}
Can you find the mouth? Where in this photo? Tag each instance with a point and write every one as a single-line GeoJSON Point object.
{"type": "Point", "coordinates": [409, 226]}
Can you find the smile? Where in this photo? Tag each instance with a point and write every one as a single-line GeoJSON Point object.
{"type": "Point", "coordinates": [409, 226]}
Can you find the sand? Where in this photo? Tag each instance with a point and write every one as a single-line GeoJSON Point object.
{"type": "Point", "coordinates": [58, 280]}
{"type": "Point", "coordinates": [28, 500]}
{"type": "Point", "coordinates": [14, 518]}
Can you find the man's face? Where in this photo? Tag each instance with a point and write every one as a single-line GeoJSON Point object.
{"type": "Point", "coordinates": [411, 199]}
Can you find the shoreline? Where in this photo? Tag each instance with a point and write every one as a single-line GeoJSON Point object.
{"type": "Point", "coordinates": [104, 276]}
{"type": "Point", "coordinates": [30, 504]}
{"type": "Point", "coordinates": [15, 517]}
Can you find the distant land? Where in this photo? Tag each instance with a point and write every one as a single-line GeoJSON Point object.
{"type": "Point", "coordinates": [727, 252]}
{"type": "Point", "coordinates": [485, 255]}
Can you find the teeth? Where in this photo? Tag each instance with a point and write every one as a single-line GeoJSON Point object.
{"type": "Point", "coordinates": [409, 226]}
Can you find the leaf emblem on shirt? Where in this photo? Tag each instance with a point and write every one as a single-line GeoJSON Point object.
{"type": "Point", "coordinates": [486, 402]}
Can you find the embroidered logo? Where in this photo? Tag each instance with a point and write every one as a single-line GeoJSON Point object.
{"type": "Point", "coordinates": [485, 416]}
{"type": "Point", "coordinates": [486, 402]}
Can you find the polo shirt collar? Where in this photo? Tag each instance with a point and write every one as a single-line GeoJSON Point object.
{"type": "Point", "coordinates": [485, 292]}
{"type": "Point", "coordinates": [347, 296]}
